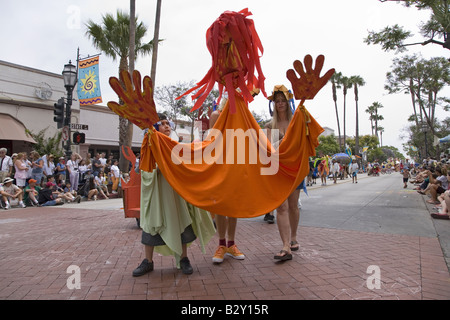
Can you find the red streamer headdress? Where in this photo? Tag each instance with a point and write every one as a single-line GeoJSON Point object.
{"type": "Point", "coordinates": [234, 46]}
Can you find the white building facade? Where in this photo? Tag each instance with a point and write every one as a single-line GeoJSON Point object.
{"type": "Point", "coordinates": [27, 98]}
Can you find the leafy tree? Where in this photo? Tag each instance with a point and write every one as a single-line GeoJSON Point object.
{"type": "Point", "coordinates": [393, 38]}
{"type": "Point", "coordinates": [167, 96]}
{"type": "Point", "coordinates": [370, 141]}
{"type": "Point", "coordinates": [376, 154]}
{"type": "Point", "coordinates": [51, 145]}
{"type": "Point", "coordinates": [327, 145]}
{"type": "Point", "coordinates": [423, 80]}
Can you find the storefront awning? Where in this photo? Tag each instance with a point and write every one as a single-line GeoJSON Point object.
{"type": "Point", "coordinates": [13, 129]}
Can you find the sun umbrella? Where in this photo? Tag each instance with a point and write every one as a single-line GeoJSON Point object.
{"type": "Point", "coordinates": [342, 158]}
{"type": "Point", "coordinates": [445, 139]}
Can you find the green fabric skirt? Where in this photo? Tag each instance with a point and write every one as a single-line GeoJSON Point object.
{"type": "Point", "coordinates": [166, 214]}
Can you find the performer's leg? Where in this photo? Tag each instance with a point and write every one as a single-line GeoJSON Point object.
{"type": "Point", "coordinates": [221, 225]}
{"type": "Point", "coordinates": [149, 252]}
{"type": "Point", "coordinates": [284, 230]}
{"type": "Point", "coordinates": [294, 218]}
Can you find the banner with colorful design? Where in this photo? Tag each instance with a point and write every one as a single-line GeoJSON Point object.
{"type": "Point", "coordinates": [89, 82]}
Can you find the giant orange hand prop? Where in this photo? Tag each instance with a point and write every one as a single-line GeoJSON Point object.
{"type": "Point", "coordinates": [138, 107]}
{"type": "Point", "coordinates": [310, 82]}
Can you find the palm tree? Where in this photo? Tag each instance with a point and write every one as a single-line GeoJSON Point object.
{"type": "Point", "coordinates": [375, 116]}
{"type": "Point", "coordinates": [346, 84]}
{"type": "Point", "coordinates": [335, 80]}
{"type": "Point", "coordinates": [357, 81]}
{"type": "Point", "coordinates": [112, 37]}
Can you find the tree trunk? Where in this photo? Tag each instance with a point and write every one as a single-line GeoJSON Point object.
{"type": "Point", "coordinates": [337, 114]}
{"type": "Point", "coordinates": [345, 93]}
{"type": "Point", "coordinates": [155, 41]}
{"type": "Point", "coordinates": [123, 126]}
{"type": "Point", "coordinates": [357, 121]}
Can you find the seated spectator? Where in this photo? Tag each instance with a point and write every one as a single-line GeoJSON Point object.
{"type": "Point", "coordinates": [31, 193]}
{"type": "Point", "coordinates": [67, 187]}
{"type": "Point", "coordinates": [444, 200]}
{"type": "Point", "coordinates": [438, 185]}
{"type": "Point", "coordinates": [46, 197]}
{"type": "Point", "coordinates": [101, 186]}
{"type": "Point", "coordinates": [88, 189]}
{"type": "Point", "coordinates": [60, 193]}
{"type": "Point", "coordinates": [11, 194]}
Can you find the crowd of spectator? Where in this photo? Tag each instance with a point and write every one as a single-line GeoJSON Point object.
{"type": "Point", "coordinates": [41, 180]}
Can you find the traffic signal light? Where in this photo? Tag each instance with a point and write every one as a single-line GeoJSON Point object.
{"type": "Point", "coordinates": [78, 137]}
{"type": "Point", "coordinates": [58, 111]}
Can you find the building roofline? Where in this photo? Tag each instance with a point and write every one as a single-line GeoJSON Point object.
{"type": "Point", "coordinates": [18, 66]}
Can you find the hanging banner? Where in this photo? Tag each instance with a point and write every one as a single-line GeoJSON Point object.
{"type": "Point", "coordinates": [89, 82]}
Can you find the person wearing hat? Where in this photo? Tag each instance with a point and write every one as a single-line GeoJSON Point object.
{"type": "Point", "coordinates": [11, 194]}
{"type": "Point", "coordinates": [288, 213]}
{"type": "Point", "coordinates": [31, 193]}
{"type": "Point", "coordinates": [46, 197]}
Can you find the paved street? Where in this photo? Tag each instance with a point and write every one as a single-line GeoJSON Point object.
{"type": "Point", "coordinates": [372, 241]}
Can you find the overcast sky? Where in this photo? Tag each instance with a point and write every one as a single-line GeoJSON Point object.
{"type": "Point", "coordinates": [46, 34]}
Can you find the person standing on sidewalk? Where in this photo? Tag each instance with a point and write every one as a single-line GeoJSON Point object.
{"type": "Point", "coordinates": [168, 222]}
{"type": "Point", "coordinates": [335, 170]}
{"type": "Point", "coordinates": [226, 226]}
{"type": "Point", "coordinates": [406, 176]}
{"type": "Point", "coordinates": [354, 168]}
{"type": "Point", "coordinates": [72, 167]}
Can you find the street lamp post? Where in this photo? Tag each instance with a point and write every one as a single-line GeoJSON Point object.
{"type": "Point", "coordinates": [70, 79]}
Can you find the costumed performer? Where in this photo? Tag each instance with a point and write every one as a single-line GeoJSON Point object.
{"type": "Point", "coordinates": [226, 226]}
{"type": "Point", "coordinates": [168, 222]}
{"type": "Point", "coordinates": [288, 213]}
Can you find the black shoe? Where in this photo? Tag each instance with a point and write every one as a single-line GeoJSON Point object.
{"type": "Point", "coordinates": [186, 266]}
{"type": "Point", "coordinates": [143, 268]}
{"type": "Point", "coordinates": [270, 219]}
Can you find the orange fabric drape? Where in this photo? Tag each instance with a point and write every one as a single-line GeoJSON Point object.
{"type": "Point", "coordinates": [231, 188]}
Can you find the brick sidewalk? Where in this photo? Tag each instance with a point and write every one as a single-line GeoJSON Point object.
{"type": "Point", "coordinates": [38, 245]}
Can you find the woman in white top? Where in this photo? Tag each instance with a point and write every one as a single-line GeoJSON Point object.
{"type": "Point", "coordinates": [21, 171]}
{"type": "Point", "coordinates": [49, 165]}
{"type": "Point", "coordinates": [72, 167]}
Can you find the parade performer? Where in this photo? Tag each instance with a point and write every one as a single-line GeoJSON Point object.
{"type": "Point", "coordinates": [288, 213]}
{"type": "Point", "coordinates": [323, 169]}
{"type": "Point", "coordinates": [168, 222]}
{"type": "Point", "coordinates": [253, 177]}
